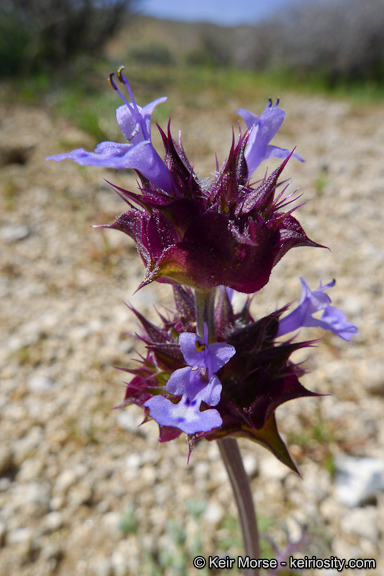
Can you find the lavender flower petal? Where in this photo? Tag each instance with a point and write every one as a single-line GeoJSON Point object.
{"type": "Point", "coordinates": [211, 393]}
{"type": "Point", "coordinates": [128, 123]}
{"type": "Point", "coordinates": [205, 356]}
{"type": "Point", "coordinates": [195, 384]}
{"type": "Point", "coordinates": [332, 319]}
{"type": "Point", "coordinates": [178, 380]}
{"type": "Point", "coordinates": [138, 154]}
{"type": "Point", "coordinates": [185, 415]}
{"type": "Point", "coordinates": [187, 341]}
{"type": "Point", "coordinates": [261, 131]}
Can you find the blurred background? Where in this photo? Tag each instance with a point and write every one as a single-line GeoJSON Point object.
{"type": "Point", "coordinates": [83, 489]}
{"type": "Point", "coordinates": [339, 42]}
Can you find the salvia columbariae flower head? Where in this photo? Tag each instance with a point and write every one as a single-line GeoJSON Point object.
{"type": "Point", "coordinates": [245, 375]}
{"type": "Point", "coordinates": [227, 230]}
{"type": "Point", "coordinates": [228, 378]}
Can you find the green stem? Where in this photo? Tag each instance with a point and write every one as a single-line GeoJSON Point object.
{"type": "Point", "coordinates": [204, 301]}
{"type": "Point", "coordinates": [231, 456]}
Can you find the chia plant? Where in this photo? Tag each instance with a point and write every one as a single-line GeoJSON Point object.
{"type": "Point", "coordinates": [209, 371]}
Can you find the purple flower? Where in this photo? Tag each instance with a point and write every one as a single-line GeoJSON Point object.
{"type": "Point", "coordinates": [195, 383]}
{"type": "Point", "coordinates": [138, 153]}
{"type": "Point", "coordinates": [261, 130]}
{"type": "Point", "coordinates": [332, 318]}
{"type": "Point", "coordinates": [186, 414]}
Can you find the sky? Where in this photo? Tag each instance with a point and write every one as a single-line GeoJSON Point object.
{"type": "Point", "coordinates": [223, 12]}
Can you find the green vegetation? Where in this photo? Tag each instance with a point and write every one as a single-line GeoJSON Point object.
{"type": "Point", "coordinates": [44, 65]}
{"type": "Point", "coordinates": [44, 34]}
{"type": "Point", "coordinates": [181, 544]}
{"type": "Point", "coordinates": [127, 521]}
{"type": "Point", "coordinates": [315, 439]}
{"type": "Point", "coordinates": [87, 100]}
{"type": "Point", "coordinates": [175, 555]}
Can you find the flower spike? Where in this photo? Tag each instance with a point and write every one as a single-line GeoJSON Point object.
{"type": "Point", "coordinates": [225, 232]}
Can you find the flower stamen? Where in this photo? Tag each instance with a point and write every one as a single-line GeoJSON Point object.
{"type": "Point", "coordinates": [139, 117]}
{"type": "Point", "coordinates": [112, 83]}
{"type": "Point", "coordinates": [131, 105]}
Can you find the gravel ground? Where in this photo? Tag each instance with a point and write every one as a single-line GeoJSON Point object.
{"type": "Point", "coordinates": [71, 470]}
